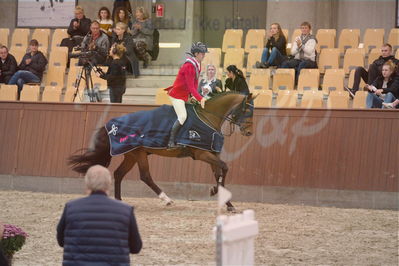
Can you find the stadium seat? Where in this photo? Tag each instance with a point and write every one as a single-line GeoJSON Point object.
{"type": "Point", "coordinates": [373, 38]}
{"type": "Point", "coordinates": [333, 80]}
{"type": "Point", "coordinates": [373, 55]}
{"type": "Point", "coordinates": [359, 101]}
{"type": "Point", "coordinates": [263, 98]}
{"type": "Point", "coordinates": [353, 58]}
{"type": "Point", "coordinates": [4, 34]}
{"type": "Point", "coordinates": [328, 59]}
{"type": "Point", "coordinates": [59, 57]}
{"type": "Point", "coordinates": [18, 52]}
{"type": "Point", "coordinates": [55, 76]}
{"type": "Point", "coordinates": [58, 35]}
{"type": "Point", "coordinates": [283, 81]}
{"type": "Point", "coordinates": [234, 57]}
{"type": "Point", "coordinates": [296, 33]}
{"type": "Point", "coordinates": [393, 38]}
{"type": "Point", "coordinates": [308, 80]}
{"type": "Point", "coordinates": [351, 80]}
{"type": "Point", "coordinates": [259, 80]}
{"type": "Point", "coordinates": [30, 93]}
{"type": "Point", "coordinates": [8, 92]}
{"type": "Point", "coordinates": [72, 75]}
{"type": "Point", "coordinates": [312, 99]}
{"type": "Point", "coordinates": [397, 53]}
{"type": "Point", "coordinates": [349, 38]}
{"type": "Point", "coordinates": [253, 56]}
{"type": "Point", "coordinates": [329, 31]}
{"type": "Point", "coordinates": [285, 32]}
{"type": "Point", "coordinates": [287, 98]}
{"type": "Point", "coordinates": [232, 39]}
{"type": "Point", "coordinates": [213, 57]}
{"type": "Point", "coordinates": [325, 40]}
{"type": "Point", "coordinates": [162, 97]}
{"type": "Point", "coordinates": [69, 94]}
{"type": "Point", "coordinates": [51, 94]}
{"type": "Point", "coordinates": [255, 39]}
{"type": "Point", "coordinates": [20, 37]}
{"type": "Point", "coordinates": [338, 99]}
{"type": "Point", "coordinates": [43, 37]}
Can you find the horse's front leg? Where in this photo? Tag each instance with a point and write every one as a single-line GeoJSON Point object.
{"type": "Point", "coordinates": [145, 176]}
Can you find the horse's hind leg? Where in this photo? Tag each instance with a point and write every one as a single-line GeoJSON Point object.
{"type": "Point", "coordinates": [145, 176]}
{"type": "Point", "coordinates": [127, 164]}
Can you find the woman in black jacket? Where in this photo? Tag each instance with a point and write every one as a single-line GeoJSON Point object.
{"type": "Point", "coordinates": [236, 80]}
{"type": "Point", "coordinates": [385, 89]}
{"type": "Point", "coordinates": [274, 52]}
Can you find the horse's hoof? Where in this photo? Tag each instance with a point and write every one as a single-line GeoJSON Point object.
{"type": "Point", "coordinates": [170, 203]}
{"type": "Point", "coordinates": [231, 209]}
{"type": "Point", "coordinates": [213, 191]}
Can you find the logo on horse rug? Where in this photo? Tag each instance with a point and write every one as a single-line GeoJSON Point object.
{"type": "Point", "coordinates": [151, 129]}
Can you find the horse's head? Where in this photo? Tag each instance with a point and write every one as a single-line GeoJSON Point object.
{"type": "Point", "coordinates": [243, 115]}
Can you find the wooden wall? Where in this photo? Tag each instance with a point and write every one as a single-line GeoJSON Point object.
{"type": "Point", "coordinates": [327, 149]}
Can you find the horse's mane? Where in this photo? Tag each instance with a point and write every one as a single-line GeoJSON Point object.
{"type": "Point", "coordinates": [221, 94]}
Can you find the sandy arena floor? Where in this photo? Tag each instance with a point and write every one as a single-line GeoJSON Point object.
{"type": "Point", "coordinates": [181, 234]}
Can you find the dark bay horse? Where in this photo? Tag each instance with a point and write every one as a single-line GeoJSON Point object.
{"type": "Point", "coordinates": [217, 110]}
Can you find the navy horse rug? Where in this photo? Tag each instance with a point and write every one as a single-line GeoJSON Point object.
{"type": "Point", "coordinates": [151, 129]}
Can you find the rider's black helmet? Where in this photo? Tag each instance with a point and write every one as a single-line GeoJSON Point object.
{"type": "Point", "coordinates": [198, 47]}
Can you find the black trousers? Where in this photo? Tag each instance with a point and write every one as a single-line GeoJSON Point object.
{"type": "Point", "coordinates": [367, 76]}
{"type": "Point", "coordinates": [115, 94]}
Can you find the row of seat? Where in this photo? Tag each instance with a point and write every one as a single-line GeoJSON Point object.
{"type": "Point", "coordinates": [327, 59]}
{"type": "Point", "coordinates": [348, 38]}
{"type": "Point", "coordinates": [293, 99]}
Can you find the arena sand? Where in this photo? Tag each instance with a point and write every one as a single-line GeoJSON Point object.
{"type": "Point", "coordinates": [181, 234]}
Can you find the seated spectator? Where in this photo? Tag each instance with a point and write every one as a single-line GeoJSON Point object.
{"type": "Point", "coordinates": [116, 74]}
{"type": "Point", "coordinates": [8, 65]}
{"type": "Point", "coordinates": [275, 50]}
{"type": "Point", "coordinates": [303, 50]}
{"type": "Point", "coordinates": [121, 36]}
{"type": "Point", "coordinates": [142, 32]}
{"type": "Point", "coordinates": [97, 230]}
{"type": "Point", "coordinates": [98, 42]}
{"type": "Point", "coordinates": [392, 105]}
{"type": "Point", "coordinates": [31, 67]}
{"type": "Point", "coordinates": [374, 69]}
{"type": "Point", "coordinates": [385, 88]}
{"type": "Point", "coordinates": [121, 15]}
{"type": "Point", "coordinates": [236, 80]}
{"type": "Point", "coordinates": [210, 84]}
{"type": "Point", "coordinates": [122, 3]}
{"type": "Point", "coordinates": [78, 28]}
{"type": "Point", "coordinates": [104, 19]}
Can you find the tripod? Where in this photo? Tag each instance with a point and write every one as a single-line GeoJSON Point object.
{"type": "Point", "coordinates": [85, 74]}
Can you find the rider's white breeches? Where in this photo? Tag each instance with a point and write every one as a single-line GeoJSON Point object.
{"type": "Point", "coordinates": [180, 109]}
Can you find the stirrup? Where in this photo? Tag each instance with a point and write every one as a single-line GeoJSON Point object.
{"type": "Point", "coordinates": [173, 145]}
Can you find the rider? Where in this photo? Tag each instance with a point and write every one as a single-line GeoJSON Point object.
{"type": "Point", "coordinates": [186, 84]}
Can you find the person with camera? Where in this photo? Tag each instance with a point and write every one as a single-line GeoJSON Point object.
{"type": "Point", "coordinates": [116, 74]}
{"type": "Point", "coordinates": [8, 65]}
{"type": "Point", "coordinates": [121, 36]}
{"type": "Point", "coordinates": [31, 67]}
{"type": "Point", "coordinates": [97, 42]}
{"type": "Point", "coordinates": [78, 28]}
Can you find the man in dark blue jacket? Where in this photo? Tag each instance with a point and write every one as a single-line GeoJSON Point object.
{"type": "Point", "coordinates": [97, 230]}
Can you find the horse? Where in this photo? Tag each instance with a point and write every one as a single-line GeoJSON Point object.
{"type": "Point", "coordinates": [231, 106]}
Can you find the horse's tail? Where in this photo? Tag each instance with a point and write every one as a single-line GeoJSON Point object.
{"type": "Point", "coordinates": [99, 155]}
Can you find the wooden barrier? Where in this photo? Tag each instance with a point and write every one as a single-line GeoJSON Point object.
{"type": "Point", "coordinates": [299, 148]}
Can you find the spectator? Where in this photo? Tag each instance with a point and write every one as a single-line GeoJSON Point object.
{"type": "Point", "coordinates": [78, 28]}
{"type": "Point", "coordinates": [97, 230]}
{"type": "Point", "coordinates": [394, 104]}
{"type": "Point", "coordinates": [122, 3]}
{"type": "Point", "coordinates": [303, 50]}
{"type": "Point", "coordinates": [374, 69]}
{"type": "Point", "coordinates": [210, 84]}
{"type": "Point", "coordinates": [385, 88]}
{"type": "Point", "coordinates": [121, 36]}
{"type": "Point", "coordinates": [8, 65]}
{"type": "Point", "coordinates": [275, 50]}
{"type": "Point", "coordinates": [121, 15]}
{"type": "Point", "coordinates": [98, 42]}
{"type": "Point", "coordinates": [31, 67]}
{"type": "Point", "coordinates": [116, 74]}
{"type": "Point", "coordinates": [142, 32]}
{"type": "Point", "coordinates": [106, 23]}
{"type": "Point", "coordinates": [236, 80]}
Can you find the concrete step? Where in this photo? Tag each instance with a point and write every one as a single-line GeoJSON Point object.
{"type": "Point", "coordinates": [160, 71]}
{"type": "Point", "coordinates": [146, 81]}
{"type": "Point", "coordinates": [138, 99]}
{"type": "Point", "coordinates": [141, 91]}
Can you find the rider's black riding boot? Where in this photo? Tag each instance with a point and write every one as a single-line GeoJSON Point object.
{"type": "Point", "coordinates": [175, 129]}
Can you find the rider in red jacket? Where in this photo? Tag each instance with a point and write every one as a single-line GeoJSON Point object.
{"type": "Point", "coordinates": [186, 84]}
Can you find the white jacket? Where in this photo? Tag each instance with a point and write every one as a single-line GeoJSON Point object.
{"type": "Point", "coordinates": [309, 50]}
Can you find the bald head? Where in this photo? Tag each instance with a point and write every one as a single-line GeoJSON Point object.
{"type": "Point", "coordinates": [98, 178]}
